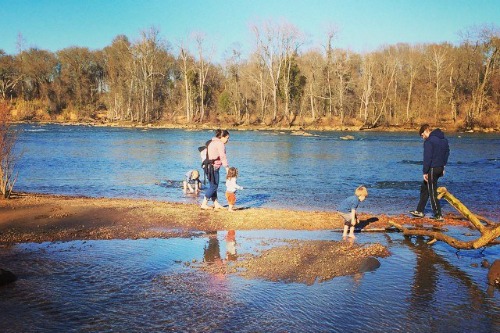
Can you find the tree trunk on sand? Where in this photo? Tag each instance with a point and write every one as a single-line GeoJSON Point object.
{"type": "Point", "coordinates": [489, 232]}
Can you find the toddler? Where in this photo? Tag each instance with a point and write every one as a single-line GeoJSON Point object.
{"type": "Point", "coordinates": [231, 187]}
{"type": "Point", "coordinates": [192, 179]}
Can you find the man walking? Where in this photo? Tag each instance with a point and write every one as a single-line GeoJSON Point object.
{"type": "Point", "coordinates": [436, 153]}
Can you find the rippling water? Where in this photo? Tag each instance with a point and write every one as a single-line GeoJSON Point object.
{"type": "Point", "coordinates": [148, 285]}
{"type": "Point", "coordinates": [277, 169]}
{"type": "Point", "coordinates": [152, 286]}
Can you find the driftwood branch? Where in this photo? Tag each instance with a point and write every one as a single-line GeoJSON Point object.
{"type": "Point", "coordinates": [489, 232]}
{"type": "Point", "coordinates": [443, 193]}
{"type": "Point", "coordinates": [484, 219]}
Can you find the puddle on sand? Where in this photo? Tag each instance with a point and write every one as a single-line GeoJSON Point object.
{"type": "Point", "coordinates": [147, 284]}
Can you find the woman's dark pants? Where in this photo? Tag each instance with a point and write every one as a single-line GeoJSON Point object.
{"type": "Point", "coordinates": [211, 191]}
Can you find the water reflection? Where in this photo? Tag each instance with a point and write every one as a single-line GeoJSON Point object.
{"type": "Point", "coordinates": [212, 248]}
{"type": "Point", "coordinates": [433, 272]}
{"type": "Point", "coordinates": [424, 279]}
{"type": "Point", "coordinates": [231, 246]}
{"type": "Point", "coordinates": [211, 251]}
{"type": "Point", "coordinates": [142, 285]}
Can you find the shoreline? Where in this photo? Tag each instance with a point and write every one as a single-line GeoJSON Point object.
{"type": "Point", "coordinates": [32, 217]}
{"type": "Point", "coordinates": [41, 218]}
{"type": "Point", "coordinates": [299, 129]}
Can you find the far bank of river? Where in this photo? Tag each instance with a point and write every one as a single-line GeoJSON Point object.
{"type": "Point", "coordinates": [450, 127]}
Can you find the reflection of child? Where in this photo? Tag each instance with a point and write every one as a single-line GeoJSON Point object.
{"type": "Point", "coordinates": [192, 179]}
{"type": "Point", "coordinates": [348, 208]}
{"type": "Point", "coordinates": [231, 187]}
{"type": "Point", "coordinates": [231, 245]}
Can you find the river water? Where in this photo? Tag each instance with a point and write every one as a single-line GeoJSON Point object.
{"type": "Point", "coordinates": [152, 285]}
{"type": "Point", "coordinates": [278, 170]}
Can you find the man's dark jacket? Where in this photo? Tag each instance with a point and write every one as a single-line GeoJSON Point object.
{"type": "Point", "coordinates": [436, 150]}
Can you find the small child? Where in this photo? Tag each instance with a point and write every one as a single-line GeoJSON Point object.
{"type": "Point", "coordinates": [231, 187]}
{"type": "Point", "coordinates": [348, 209]}
{"type": "Point", "coordinates": [192, 179]}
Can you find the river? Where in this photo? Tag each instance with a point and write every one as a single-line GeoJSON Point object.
{"type": "Point", "coordinates": [278, 170]}
{"type": "Point", "coordinates": [151, 285]}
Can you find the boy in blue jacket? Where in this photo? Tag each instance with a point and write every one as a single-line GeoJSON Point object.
{"type": "Point", "coordinates": [348, 210]}
{"type": "Point", "coordinates": [436, 153]}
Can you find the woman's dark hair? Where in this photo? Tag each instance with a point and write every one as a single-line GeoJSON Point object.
{"type": "Point", "coordinates": [221, 133]}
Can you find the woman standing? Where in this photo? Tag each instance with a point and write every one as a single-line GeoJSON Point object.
{"type": "Point", "coordinates": [215, 153]}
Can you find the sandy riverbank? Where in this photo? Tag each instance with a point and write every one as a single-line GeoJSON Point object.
{"type": "Point", "coordinates": [48, 218]}
{"type": "Point", "coordinates": [39, 218]}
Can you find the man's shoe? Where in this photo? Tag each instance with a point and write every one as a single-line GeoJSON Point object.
{"type": "Point", "coordinates": [416, 213]}
{"type": "Point", "coordinates": [438, 218]}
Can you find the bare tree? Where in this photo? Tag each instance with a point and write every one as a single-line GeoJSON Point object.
{"type": "Point", "coordinates": [234, 77]}
{"type": "Point", "coordinates": [331, 35]}
{"type": "Point", "coordinates": [439, 67]}
{"type": "Point", "coordinates": [342, 74]}
{"type": "Point", "coordinates": [186, 59]}
{"type": "Point", "coordinates": [151, 64]}
{"type": "Point", "coordinates": [81, 72]}
{"type": "Point", "coordinates": [387, 67]}
{"type": "Point", "coordinates": [312, 63]}
{"type": "Point", "coordinates": [255, 71]}
{"type": "Point", "coordinates": [9, 74]}
{"type": "Point", "coordinates": [366, 86]}
{"type": "Point", "coordinates": [272, 42]}
{"type": "Point", "coordinates": [411, 64]}
{"type": "Point", "coordinates": [488, 41]}
{"type": "Point", "coordinates": [8, 156]}
{"type": "Point", "coordinates": [37, 68]}
{"type": "Point", "coordinates": [139, 81]}
{"type": "Point", "coordinates": [119, 78]}
{"type": "Point", "coordinates": [292, 40]}
{"type": "Point", "coordinates": [203, 68]}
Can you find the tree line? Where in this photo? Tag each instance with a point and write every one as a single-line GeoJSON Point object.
{"type": "Point", "coordinates": [280, 83]}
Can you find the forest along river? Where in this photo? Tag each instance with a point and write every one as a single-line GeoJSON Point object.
{"type": "Point", "coordinates": [278, 170]}
{"type": "Point", "coordinates": [153, 284]}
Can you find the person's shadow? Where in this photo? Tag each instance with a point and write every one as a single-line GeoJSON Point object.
{"type": "Point", "coordinates": [364, 223]}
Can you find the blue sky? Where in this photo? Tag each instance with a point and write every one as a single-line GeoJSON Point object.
{"type": "Point", "coordinates": [363, 25]}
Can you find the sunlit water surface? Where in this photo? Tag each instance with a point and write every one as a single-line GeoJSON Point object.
{"type": "Point", "coordinates": [152, 286]}
{"type": "Point", "coordinates": [148, 285]}
{"type": "Point", "coordinates": [278, 170]}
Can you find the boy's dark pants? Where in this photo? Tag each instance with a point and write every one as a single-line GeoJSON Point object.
{"type": "Point", "coordinates": [429, 189]}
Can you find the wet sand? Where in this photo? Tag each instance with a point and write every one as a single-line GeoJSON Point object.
{"type": "Point", "coordinates": [42, 218]}
{"type": "Point", "coordinates": [49, 218]}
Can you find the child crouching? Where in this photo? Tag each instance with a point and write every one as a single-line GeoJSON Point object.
{"type": "Point", "coordinates": [348, 210]}
{"type": "Point", "coordinates": [192, 181]}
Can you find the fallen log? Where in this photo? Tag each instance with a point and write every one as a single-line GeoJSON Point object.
{"type": "Point", "coordinates": [458, 205]}
{"type": "Point", "coordinates": [489, 232]}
